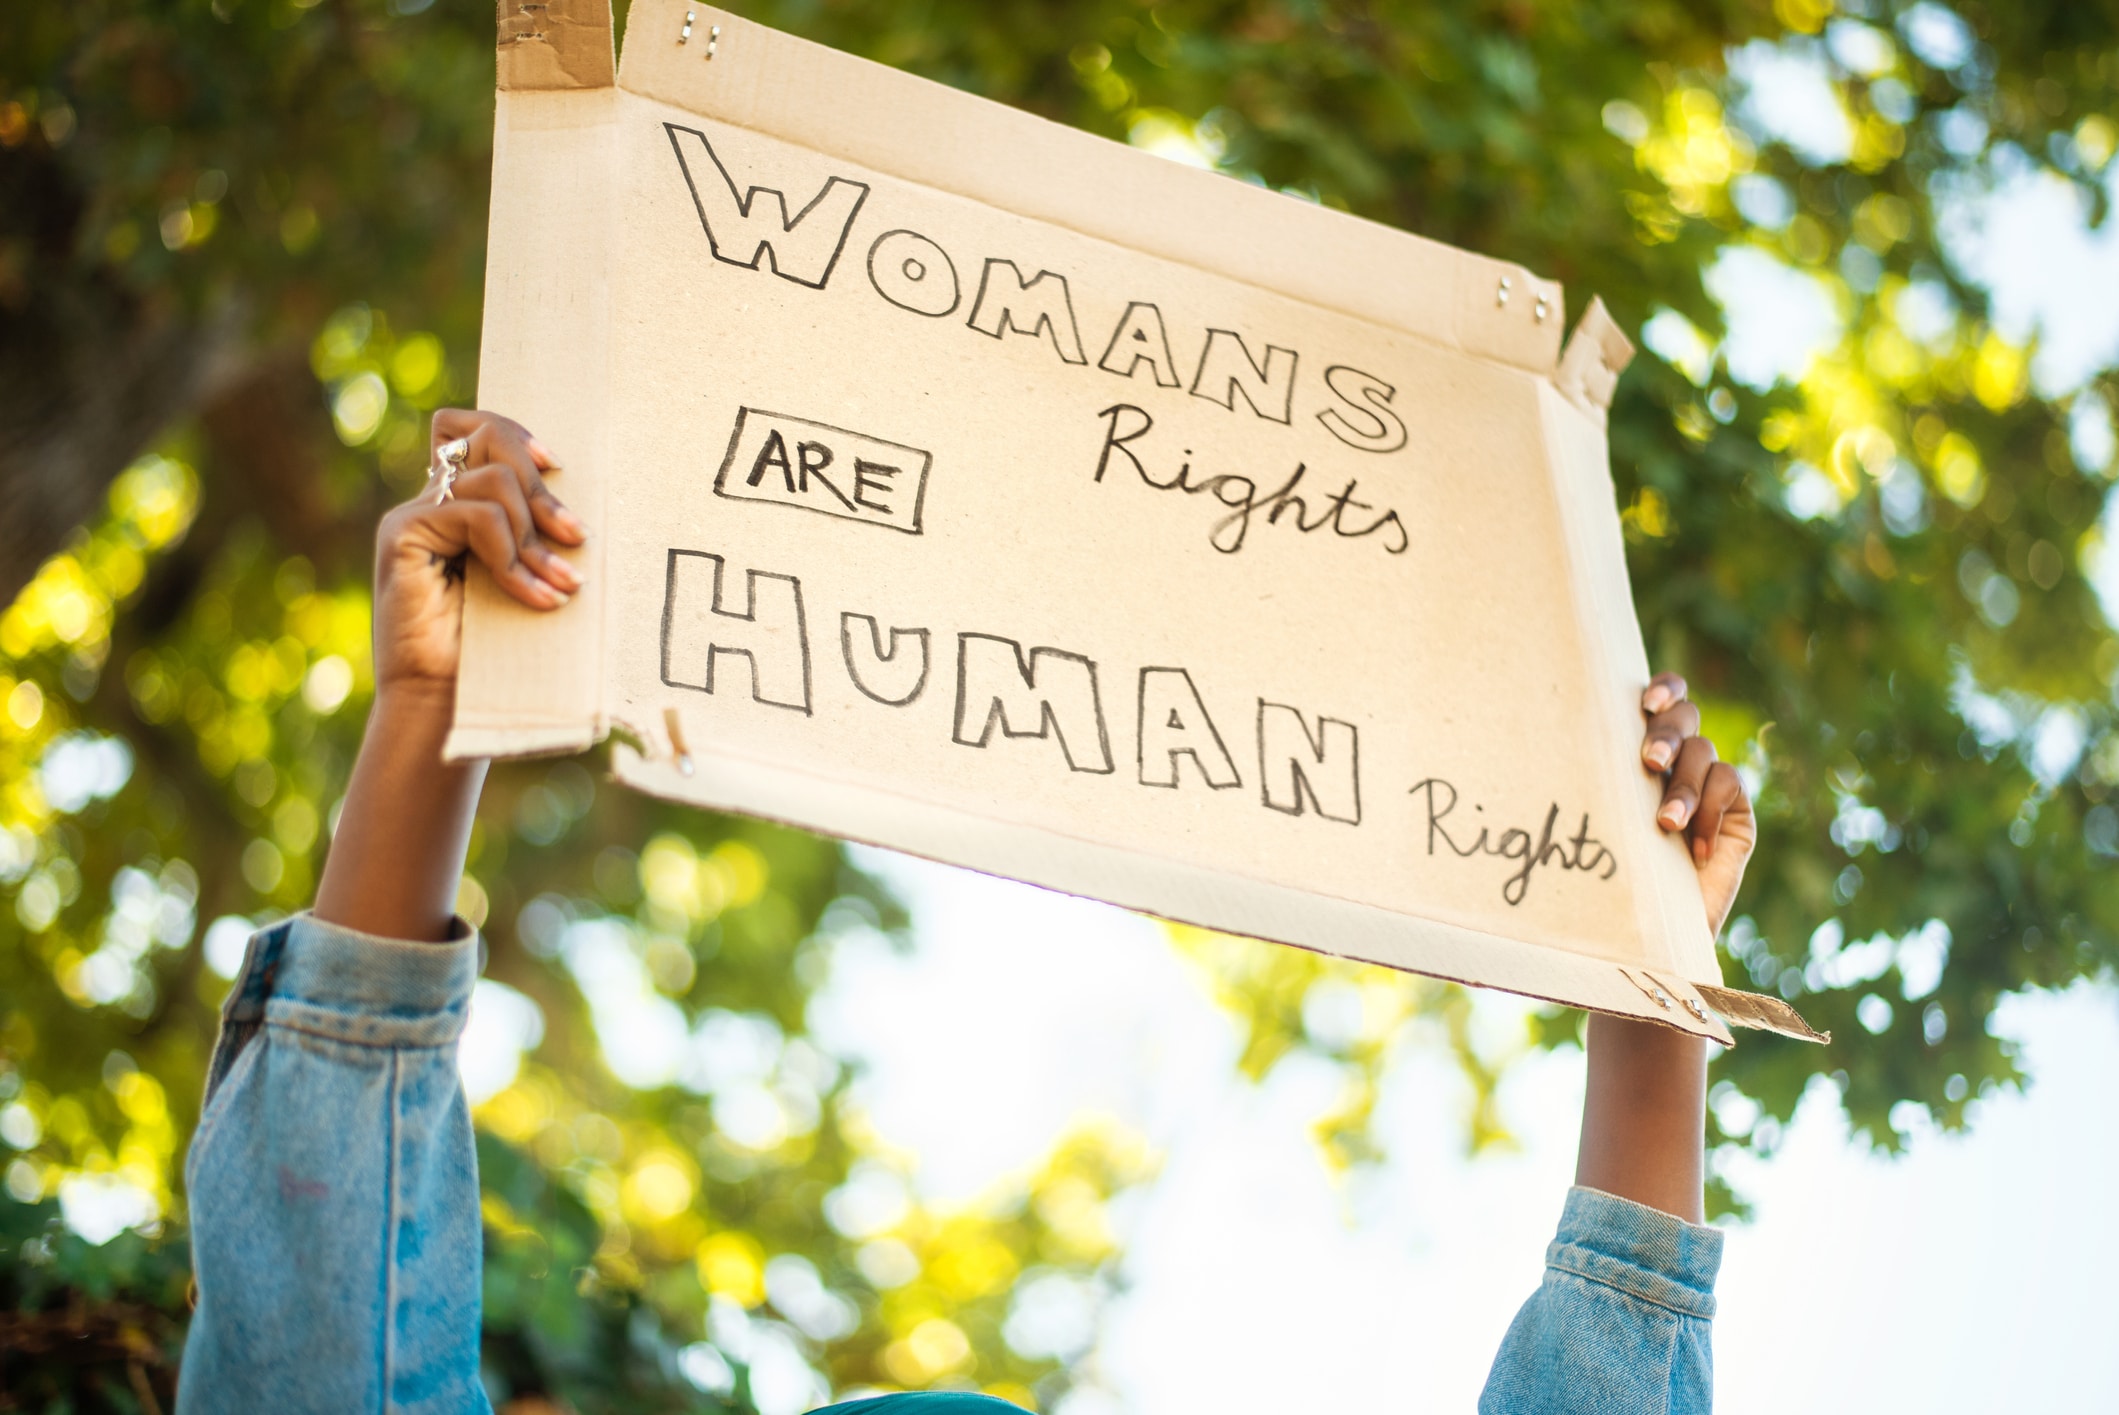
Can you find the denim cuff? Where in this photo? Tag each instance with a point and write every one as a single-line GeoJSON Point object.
{"type": "Point", "coordinates": [336, 982]}
{"type": "Point", "coordinates": [1643, 1252]}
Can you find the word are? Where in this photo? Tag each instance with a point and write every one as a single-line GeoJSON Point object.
{"type": "Point", "coordinates": [1241, 494]}
{"type": "Point", "coordinates": [1581, 851]}
{"type": "Point", "coordinates": [773, 457]}
{"type": "Point", "coordinates": [750, 227]}
{"type": "Point", "coordinates": [716, 620]}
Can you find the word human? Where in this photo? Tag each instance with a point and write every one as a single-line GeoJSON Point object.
{"type": "Point", "coordinates": [1588, 854]}
{"type": "Point", "coordinates": [750, 227]}
{"type": "Point", "coordinates": [717, 620]}
{"type": "Point", "coordinates": [1241, 494]}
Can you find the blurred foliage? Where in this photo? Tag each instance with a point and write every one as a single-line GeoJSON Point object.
{"type": "Point", "coordinates": [87, 1326]}
{"type": "Point", "coordinates": [1875, 570]}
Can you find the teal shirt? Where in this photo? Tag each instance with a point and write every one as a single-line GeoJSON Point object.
{"type": "Point", "coordinates": [925, 1402]}
{"type": "Point", "coordinates": [336, 1238]}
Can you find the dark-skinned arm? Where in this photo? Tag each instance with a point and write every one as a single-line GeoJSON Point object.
{"type": "Point", "coordinates": [1623, 1319]}
{"type": "Point", "coordinates": [397, 856]}
{"type": "Point", "coordinates": [1644, 1116]}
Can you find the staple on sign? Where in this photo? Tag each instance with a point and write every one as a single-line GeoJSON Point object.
{"type": "Point", "coordinates": [675, 725]}
{"type": "Point", "coordinates": [1652, 989]}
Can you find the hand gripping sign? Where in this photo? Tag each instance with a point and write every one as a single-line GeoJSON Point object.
{"type": "Point", "coordinates": [976, 487]}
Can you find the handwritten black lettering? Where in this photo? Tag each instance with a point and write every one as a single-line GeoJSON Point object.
{"type": "Point", "coordinates": [1126, 424]}
{"type": "Point", "coordinates": [914, 274]}
{"type": "Point", "coordinates": [701, 623]}
{"type": "Point", "coordinates": [1141, 339]}
{"type": "Point", "coordinates": [745, 228]}
{"type": "Point", "coordinates": [1227, 371]}
{"type": "Point", "coordinates": [1168, 695]}
{"type": "Point", "coordinates": [882, 674]}
{"type": "Point", "coordinates": [815, 457]}
{"type": "Point", "coordinates": [1047, 692]}
{"type": "Point", "coordinates": [872, 476]}
{"type": "Point", "coordinates": [1038, 306]}
{"type": "Point", "coordinates": [772, 454]}
{"type": "Point", "coordinates": [1374, 427]}
{"type": "Point", "coordinates": [1588, 855]}
{"type": "Point", "coordinates": [1301, 771]}
{"type": "Point", "coordinates": [886, 487]}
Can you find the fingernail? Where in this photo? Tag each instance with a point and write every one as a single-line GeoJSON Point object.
{"type": "Point", "coordinates": [1657, 755]}
{"type": "Point", "coordinates": [1673, 814]}
{"type": "Point", "coordinates": [1656, 698]}
{"type": "Point", "coordinates": [569, 578]}
{"type": "Point", "coordinates": [543, 454]}
{"type": "Point", "coordinates": [1699, 851]}
{"type": "Point", "coordinates": [571, 521]}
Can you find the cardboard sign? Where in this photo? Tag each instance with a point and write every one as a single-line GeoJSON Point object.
{"type": "Point", "coordinates": [969, 485]}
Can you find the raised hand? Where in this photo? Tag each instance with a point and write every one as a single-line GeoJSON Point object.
{"type": "Point", "coordinates": [499, 510]}
{"type": "Point", "coordinates": [397, 856]}
{"type": "Point", "coordinates": [1702, 796]}
{"type": "Point", "coordinates": [1644, 1113]}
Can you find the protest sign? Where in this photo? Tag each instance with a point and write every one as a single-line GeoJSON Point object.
{"type": "Point", "coordinates": [966, 484]}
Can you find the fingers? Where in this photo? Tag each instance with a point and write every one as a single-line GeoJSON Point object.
{"type": "Point", "coordinates": [1721, 796]}
{"type": "Point", "coordinates": [484, 527]}
{"type": "Point", "coordinates": [505, 473]}
{"type": "Point", "coordinates": [488, 517]}
{"type": "Point", "coordinates": [1687, 785]}
{"type": "Point", "coordinates": [1668, 732]}
{"type": "Point", "coordinates": [504, 442]}
{"type": "Point", "coordinates": [440, 532]}
{"type": "Point", "coordinates": [1703, 797]}
{"type": "Point", "coordinates": [452, 423]}
{"type": "Point", "coordinates": [499, 485]}
{"type": "Point", "coordinates": [1662, 690]}
{"type": "Point", "coordinates": [1700, 791]}
{"type": "Point", "coordinates": [495, 483]}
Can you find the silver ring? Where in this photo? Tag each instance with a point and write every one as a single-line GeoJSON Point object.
{"type": "Point", "coordinates": [452, 456]}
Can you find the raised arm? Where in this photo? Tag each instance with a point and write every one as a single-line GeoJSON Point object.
{"type": "Point", "coordinates": [332, 1179]}
{"type": "Point", "coordinates": [1643, 1120]}
{"type": "Point", "coordinates": [397, 856]}
{"type": "Point", "coordinates": [1622, 1320]}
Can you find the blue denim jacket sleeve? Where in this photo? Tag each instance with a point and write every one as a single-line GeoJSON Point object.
{"type": "Point", "coordinates": [334, 1185]}
{"type": "Point", "coordinates": [1620, 1324]}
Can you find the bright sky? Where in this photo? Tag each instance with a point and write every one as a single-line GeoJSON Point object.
{"type": "Point", "coordinates": [1972, 1275]}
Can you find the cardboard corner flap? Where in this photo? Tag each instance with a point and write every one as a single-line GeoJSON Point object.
{"type": "Point", "coordinates": [1761, 1013]}
{"type": "Point", "coordinates": [971, 486]}
{"type": "Point", "coordinates": [554, 44]}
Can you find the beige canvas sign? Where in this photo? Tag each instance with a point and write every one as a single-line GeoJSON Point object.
{"type": "Point", "coordinates": [969, 485]}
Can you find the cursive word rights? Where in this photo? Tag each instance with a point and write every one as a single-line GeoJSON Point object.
{"type": "Point", "coordinates": [1580, 851]}
{"type": "Point", "coordinates": [1125, 424]}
